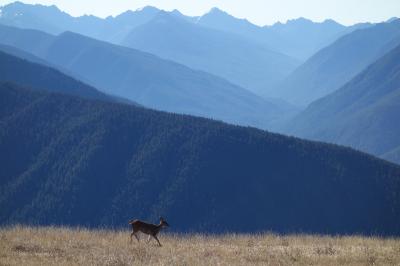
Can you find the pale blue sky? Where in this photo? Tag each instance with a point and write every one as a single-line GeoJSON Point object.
{"type": "Point", "coordinates": [257, 11]}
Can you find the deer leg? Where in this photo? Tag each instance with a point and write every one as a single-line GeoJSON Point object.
{"type": "Point", "coordinates": [155, 237]}
{"type": "Point", "coordinates": [134, 234]}
{"type": "Point", "coordinates": [148, 239]}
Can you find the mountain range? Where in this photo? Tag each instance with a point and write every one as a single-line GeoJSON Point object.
{"type": "Point", "coordinates": [243, 62]}
{"type": "Point", "coordinates": [299, 38]}
{"type": "Point", "coordinates": [71, 161]}
{"type": "Point", "coordinates": [147, 79]}
{"type": "Point", "coordinates": [253, 57]}
{"type": "Point", "coordinates": [52, 20]}
{"type": "Point", "coordinates": [335, 65]}
{"type": "Point", "coordinates": [363, 113]}
{"type": "Point", "coordinates": [100, 121]}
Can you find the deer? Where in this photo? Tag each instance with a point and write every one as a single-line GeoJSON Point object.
{"type": "Point", "coordinates": [147, 228]}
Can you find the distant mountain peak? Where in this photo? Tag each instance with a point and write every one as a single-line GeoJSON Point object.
{"type": "Point", "coordinates": [216, 10]}
{"type": "Point", "coordinates": [299, 20]}
{"type": "Point", "coordinates": [217, 15]}
{"type": "Point", "coordinates": [331, 21]}
{"type": "Point", "coordinates": [305, 22]}
{"type": "Point", "coordinates": [294, 21]}
{"type": "Point", "coordinates": [166, 17]}
{"type": "Point", "coordinates": [176, 12]}
{"type": "Point", "coordinates": [392, 19]}
{"type": "Point", "coordinates": [18, 4]}
{"type": "Point", "coordinates": [163, 14]}
{"type": "Point", "coordinates": [14, 4]}
{"type": "Point", "coordinates": [147, 9]}
{"type": "Point", "coordinates": [126, 13]}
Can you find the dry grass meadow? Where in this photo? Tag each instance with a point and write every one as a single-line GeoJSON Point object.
{"type": "Point", "coordinates": [66, 246]}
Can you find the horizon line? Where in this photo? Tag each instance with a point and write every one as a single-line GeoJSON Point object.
{"type": "Point", "coordinates": [176, 9]}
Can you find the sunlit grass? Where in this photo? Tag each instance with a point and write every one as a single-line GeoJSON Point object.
{"type": "Point", "coordinates": [21, 245]}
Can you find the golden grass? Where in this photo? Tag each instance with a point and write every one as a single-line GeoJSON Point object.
{"type": "Point", "coordinates": [67, 246]}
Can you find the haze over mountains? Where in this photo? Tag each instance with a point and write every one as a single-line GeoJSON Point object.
{"type": "Point", "coordinates": [147, 79]}
{"type": "Point", "coordinates": [333, 66]}
{"type": "Point", "coordinates": [250, 56]}
{"type": "Point", "coordinates": [363, 114]}
{"type": "Point", "coordinates": [299, 38]}
{"type": "Point", "coordinates": [52, 20]}
{"type": "Point", "coordinates": [241, 57]}
{"type": "Point", "coordinates": [40, 77]}
{"type": "Point", "coordinates": [246, 63]}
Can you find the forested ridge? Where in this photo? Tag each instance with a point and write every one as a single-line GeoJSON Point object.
{"type": "Point", "coordinates": [72, 161]}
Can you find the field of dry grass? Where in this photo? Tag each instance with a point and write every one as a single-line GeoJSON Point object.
{"type": "Point", "coordinates": [66, 246]}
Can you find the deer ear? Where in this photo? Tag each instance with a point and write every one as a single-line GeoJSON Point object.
{"type": "Point", "coordinates": [161, 219]}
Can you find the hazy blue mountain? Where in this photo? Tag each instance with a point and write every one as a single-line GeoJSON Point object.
{"type": "Point", "coordinates": [338, 63]}
{"type": "Point", "coordinates": [34, 59]}
{"type": "Point", "coordinates": [178, 14]}
{"type": "Point", "coordinates": [243, 62]}
{"type": "Point", "coordinates": [302, 37]}
{"type": "Point", "coordinates": [220, 20]}
{"type": "Point", "coordinates": [392, 19]}
{"type": "Point", "coordinates": [134, 18]}
{"type": "Point", "coordinates": [91, 163]}
{"type": "Point", "coordinates": [299, 38]}
{"type": "Point", "coordinates": [147, 79]}
{"type": "Point", "coordinates": [41, 77]}
{"type": "Point", "coordinates": [23, 55]}
{"type": "Point", "coordinates": [52, 20]}
{"type": "Point", "coordinates": [115, 29]}
{"type": "Point", "coordinates": [45, 18]}
{"type": "Point", "coordinates": [363, 114]}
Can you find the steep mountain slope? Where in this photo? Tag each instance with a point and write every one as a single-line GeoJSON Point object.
{"type": "Point", "coordinates": [336, 64]}
{"type": "Point", "coordinates": [363, 114]}
{"type": "Point", "coordinates": [22, 54]}
{"type": "Point", "coordinates": [37, 76]}
{"type": "Point", "coordinates": [71, 161]}
{"type": "Point", "coordinates": [393, 155]}
{"type": "Point", "coordinates": [115, 29]}
{"type": "Point", "coordinates": [52, 20]}
{"type": "Point", "coordinates": [35, 59]}
{"type": "Point", "coordinates": [146, 79]}
{"type": "Point", "coordinates": [299, 38]}
{"type": "Point", "coordinates": [246, 63]}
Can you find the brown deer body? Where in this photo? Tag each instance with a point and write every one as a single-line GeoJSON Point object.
{"type": "Point", "coordinates": [149, 229]}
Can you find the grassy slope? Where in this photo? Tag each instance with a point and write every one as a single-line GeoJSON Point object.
{"type": "Point", "coordinates": [65, 246]}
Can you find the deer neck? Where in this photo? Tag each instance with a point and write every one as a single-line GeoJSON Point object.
{"type": "Point", "coordinates": [159, 226]}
